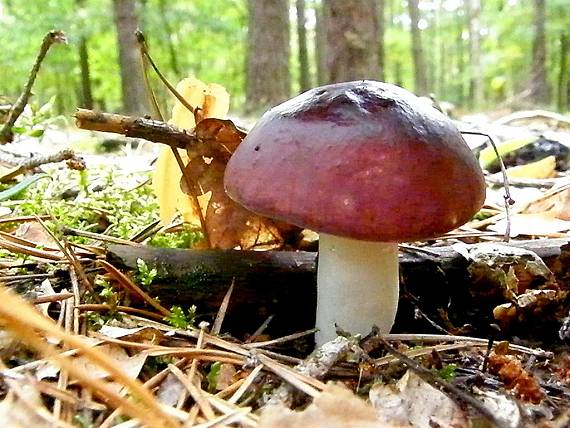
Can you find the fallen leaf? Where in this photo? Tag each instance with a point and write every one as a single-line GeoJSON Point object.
{"type": "Point", "coordinates": [412, 402]}
{"type": "Point", "coordinates": [170, 390]}
{"type": "Point", "coordinates": [335, 407]}
{"type": "Point", "coordinates": [504, 408]}
{"type": "Point", "coordinates": [488, 157]}
{"type": "Point", "coordinates": [136, 334]}
{"type": "Point", "coordinates": [167, 174]}
{"type": "Point", "coordinates": [535, 224]}
{"type": "Point", "coordinates": [516, 276]}
{"type": "Point", "coordinates": [227, 224]}
{"type": "Point", "coordinates": [21, 410]}
{"type": "Point", "coordinates": [544, 168]}
{"type": "Point", "coordinates": [36, 233]}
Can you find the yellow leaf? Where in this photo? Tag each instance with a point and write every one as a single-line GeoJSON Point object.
{"type": "Point", "coordinates": [543, 168]}
{"type": "Point", "coordinates": [214, 100]}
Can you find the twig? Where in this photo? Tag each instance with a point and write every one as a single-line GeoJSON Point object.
{"type": "Point", "coordinates": [147, 129]}
{"type": "Point", "coordinates": [217, 327]}
{"type": "Point", "coordinates": [51, 38]}
{"type": "Point", "coordinates": [451, 338]}
{"type": "Point", "coordinates": [74, 162]}
{"type": "Point", "coordinates": [146, 55]}
{"type": "Point", "coordinates": [507, 197]}
{"type": "Point", "coordinates": [314, 367]}
{"type": "Point", "coordinates": [127, 284]}
{"type": "Point", "coordinates": [455, 393]}
{"type": "Point", "coordinates": [69, 231]}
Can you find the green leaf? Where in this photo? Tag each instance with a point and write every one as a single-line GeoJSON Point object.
{"type": "Point", "coordinates": [36, 133]}
{"type": "Point", "coordinates": [487, 157]}
{"type": "Point", "coordinates": [448, 372]}
{"type": "Point", "coordinates": [213, 376]}
{"type": "Point", "coordinates": [18, 129]}
{"type": "Point", "coordinates": [21, 186]}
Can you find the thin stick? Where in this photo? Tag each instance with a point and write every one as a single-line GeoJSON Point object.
{"type": "Point", "coordinates": [147, 129]}
{"type": "Point", "coordinates": [51, 38]}
{"type": "Point", "coordinates": [126, 282]}
{"type": "Point", "coordinates": [172, 89]}
{"type": "Point", "coordinates": [194, 391]}
{"type": "Point", "coordinates": [63, 155]}
{"type": "Point", "coordinates": [193, 196]}
{"type": "Point", "coordinates": [217, 327]}
{"type": "Point", "coordinates": [96, 236]}
{"type": "Point", "coordinates": [507, 197]}
{"type": "Point", "coordinates": [451, 338]}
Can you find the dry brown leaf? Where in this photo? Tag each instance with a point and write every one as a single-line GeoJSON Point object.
{"type": "Point", "coordinates": [21, 410]}
{"type": "Point", "coordinates": [36, 233]}
{"type": "Point", "coordinates": [129, 365]}
{"type": "Point", "coordinates": [170, 390]}
{"type": "Point", "coordinates": [335, 407]}
{"type": "Point", "coordinates": [228, 225]}
{"type": "Point", "coordinates": [412, 402]}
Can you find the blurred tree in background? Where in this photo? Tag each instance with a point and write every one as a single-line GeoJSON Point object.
{"type": "Point", "coordinates": [479, 55]}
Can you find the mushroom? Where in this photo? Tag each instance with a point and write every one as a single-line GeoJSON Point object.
{"type": "Point", "coordinates": [367, 165]}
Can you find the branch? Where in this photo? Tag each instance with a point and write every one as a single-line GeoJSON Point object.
{"type": "Point", "coordinates": [73, 162]}
{"type": "Point", "coordinates": [51, 38]}
{"type": "Point", "coordinates": [147, 129]}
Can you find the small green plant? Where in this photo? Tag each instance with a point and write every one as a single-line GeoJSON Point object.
{"type": "Point", "coordinates": [36, 120]}
{"type": "Point", "coordinates": [186, 238]}
{"type": "Point", "coordinates": [145, 275]}
{"type": "Point", "coordinates": [448, 372]}
{"type": "Point", "coordinates": [179, 319]}
{"type": "Point", "coordinates": [213, 376]}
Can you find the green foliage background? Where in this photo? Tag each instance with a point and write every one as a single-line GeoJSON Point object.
{"type": "Point", "coordinates": [209, 37]}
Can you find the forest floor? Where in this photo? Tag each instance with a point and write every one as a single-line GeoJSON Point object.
{"type": "Point", "coordinates": [91, 345]}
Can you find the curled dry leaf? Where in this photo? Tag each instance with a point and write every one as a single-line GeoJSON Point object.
{"type": "Point", "coordinates": [227, 224]}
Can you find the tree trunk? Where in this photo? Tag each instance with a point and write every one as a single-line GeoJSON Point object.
{"type": "Point", "coordinates": [85, 94]}
{"type": "Point", "coordinates": [132, 79]}
{"type": "Point", "coordinates": [352, 37]}
{"type": "Point", "coordinates": [473, 12]}
{"type": "Point", "coordinates": [459, 86]}
{"type": "Point", "coordinates": [381, 6]}
{"type": "Point", "coordinates": [420, 72]}
{"type": "Point", "coordinates": [304, 76]}
{"type": "Point", "coordinates": [539, 92]}
{"type": "Point", "coordinates": [321, 44]}
{"type": "Point", "coordinates": [168, 31]}
{"type": "Point", "coordinates": [268, 78]}
{"type": "Point", "coordinates": [563, 83]}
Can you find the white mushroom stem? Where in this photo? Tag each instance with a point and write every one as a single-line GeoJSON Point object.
{"type": "Point", "coordinates": [357, 286]}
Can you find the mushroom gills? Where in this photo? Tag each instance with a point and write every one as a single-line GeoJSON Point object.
{"type": "Point", "coordinates": [357, 286]}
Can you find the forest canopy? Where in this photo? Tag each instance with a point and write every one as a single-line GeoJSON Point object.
{"type": "Point", "coordinates": [477, 55]}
